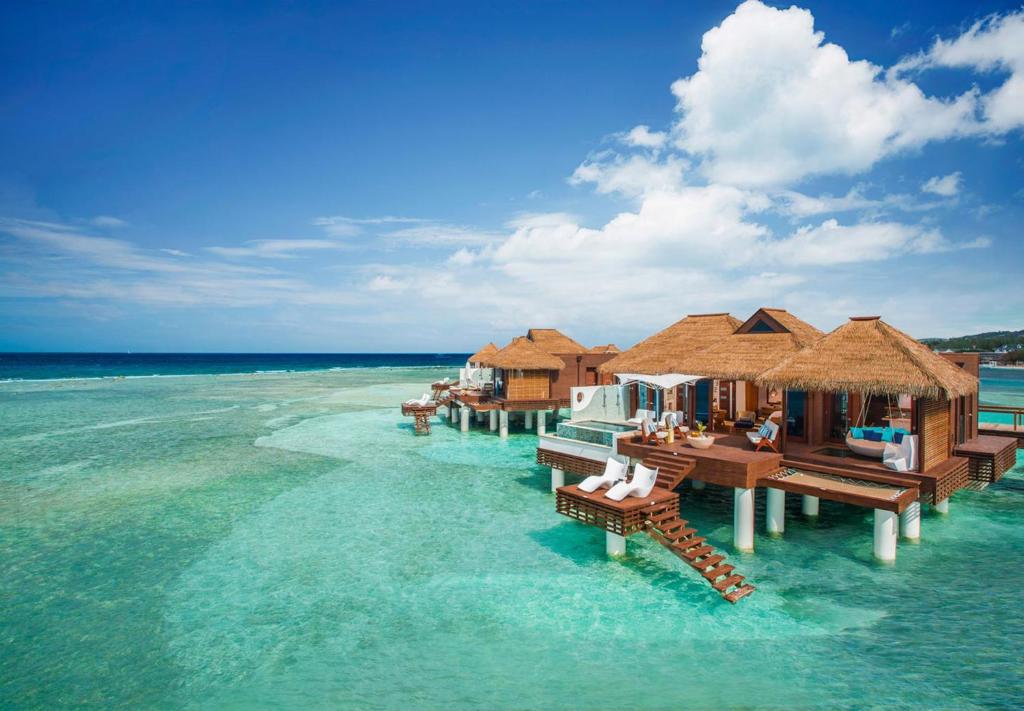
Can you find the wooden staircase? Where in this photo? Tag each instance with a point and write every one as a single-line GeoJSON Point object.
{"type": "Point", "coordinates": [673, 532]}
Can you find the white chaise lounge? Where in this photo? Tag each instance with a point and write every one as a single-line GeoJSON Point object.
{"type": "Point", "coordinates": [614, 471]}
{"type": "Point", "coordinates": [642, 415]}
{"type": "Point", "coordinates": [640, 485]}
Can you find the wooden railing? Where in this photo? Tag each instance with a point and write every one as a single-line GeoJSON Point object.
{"type": "Point", "coordinates": [1016, 413]}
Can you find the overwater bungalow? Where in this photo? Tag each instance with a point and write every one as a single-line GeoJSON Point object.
{"type": "Point", "coordinates": [533, 375]}
{"type": "Point", "coordinates": [865, 416]}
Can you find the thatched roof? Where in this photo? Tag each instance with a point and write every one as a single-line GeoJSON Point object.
{"type": "Point", "coordinates": [481, 355]}
{"type": "Point", "coordinates": [669, 350]}
{"type": "Point", "coordinates": [804, 333]}
{"type": "Point", "coordinates": [551, 340]}
{"type": "Point", "coordinates": [869, 356]}
{"type": "Point", "coordinates": [609, 348]}
{"type": "Point", "coordinates": [744, 356]}
{"type": "Point", "coordinates": [524, 354]}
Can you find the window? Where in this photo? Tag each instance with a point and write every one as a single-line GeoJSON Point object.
{"type": "Point", "coordinates": [761, 327]}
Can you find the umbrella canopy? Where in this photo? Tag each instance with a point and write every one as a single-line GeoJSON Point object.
{"type": "Point", "coordinates": [524, 354]}
{"type": "Point", "coordinates": [869, 356]}
{"type": "Point", "coordinates": [669, 350]}
{"type": "Point", "coordinates": [553, 341]}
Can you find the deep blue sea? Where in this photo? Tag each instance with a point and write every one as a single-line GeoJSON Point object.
{"type": "Point", "coordinates": [48, 366]}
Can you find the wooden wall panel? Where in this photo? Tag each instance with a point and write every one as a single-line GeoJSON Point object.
{"type": "Point", "coordinates": [528, 385]}
{"type": "Point", "coordinates": [934, 431]}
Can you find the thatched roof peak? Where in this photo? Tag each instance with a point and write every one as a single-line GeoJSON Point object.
{"type": "Point", "coordinates": [554, 341]}
{"type": "Point", "coordinates": [608, 348]}
{"type": "Point", "coordinates": [524, 354]}
{"type": "Point", "coordinates": [481, 355]}
{"type": "Point", "coordinates": [668, 350]}
{"type": "Point", "coordinates": [869, 356]}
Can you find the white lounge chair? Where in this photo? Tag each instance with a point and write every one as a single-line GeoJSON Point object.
{"type": "Point", "coordinates": [422, 401]}
{"type": "Point", "coordinates": [900, 457]}
{"type": "Point", "coordinates": [640, 485]}
{"type": "Point", "coordinates": [764, 437]}
{"type": "Point", "coordinates": [614, 471]}
{"type": "Point", "coordinates": [642, 415]}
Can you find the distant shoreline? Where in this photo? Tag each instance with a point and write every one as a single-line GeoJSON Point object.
{"type": "Point", "coordinates": [998, 366]}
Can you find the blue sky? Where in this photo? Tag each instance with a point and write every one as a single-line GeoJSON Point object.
{"type": "Point", "coordinates": [421, 176]}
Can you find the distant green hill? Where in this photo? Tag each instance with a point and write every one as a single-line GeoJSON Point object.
{"type": "Point", "coordinates": [991, 341]}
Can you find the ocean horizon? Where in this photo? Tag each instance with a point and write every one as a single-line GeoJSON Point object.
{"type": "Point", "coordinates": [77, 365]}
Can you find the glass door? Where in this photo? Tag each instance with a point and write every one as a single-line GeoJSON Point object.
{"type": "Point", "coordinates": [796, 415]}
{"type": "Point", "coordinates": [837, 416]}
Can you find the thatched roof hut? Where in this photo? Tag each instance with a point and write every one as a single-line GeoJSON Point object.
{"type": "Point", "coordinates": [608, 348]}
{"type": "Point", "coordinates": [669, 350]}
{"type": "Point", "coordinates": [481, 355]}
{"type": "Point", "coordinates": [867, 355]}
{"type": "Point", "coordinates": [524, 354]}
{"type": "Point", "coordinates": [748, 353]}
{"type": "Point", "coordinates": [551, 340]}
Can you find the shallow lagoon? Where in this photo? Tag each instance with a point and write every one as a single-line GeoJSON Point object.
{"type": "Point", "coordinates": [284, 539]}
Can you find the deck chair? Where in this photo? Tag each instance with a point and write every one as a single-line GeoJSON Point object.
{"type": "Point", "coordinates": [900, 457]}
{"type": "Point", "coordinates": [614, 471]}
{"type": "Point", "coordinates": [649, 433]}
{"type": "Point", "coordinates": [422, 401]}
{"type": "Point", "coordinates": [765, 437]}
{"type": "Point", "coordinates": [641, 415]}
{"type": "Point", "coordinates": [640, 485]}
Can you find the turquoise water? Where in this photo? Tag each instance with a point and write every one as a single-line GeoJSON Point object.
{"type": "Point", "coordinates": [284, 540]}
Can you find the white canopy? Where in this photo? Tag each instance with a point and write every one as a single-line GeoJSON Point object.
{"type": "Point", "coordinates": [664, 382]}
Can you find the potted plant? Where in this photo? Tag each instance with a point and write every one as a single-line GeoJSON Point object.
{"type": "Point", "coordinates": [698, 438]}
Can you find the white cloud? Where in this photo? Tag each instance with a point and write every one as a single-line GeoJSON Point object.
{"type": "Point", "coordinates": [175, 252]}
{"type": "Point", "coordinates": [107, 221]}
{"type": "Point", "coordinates": [631, 176]}
{"type": "Point", "coordinates": [276, 248]}
{"type": "Point", "coordinates": [994, 44]}
{"type": "Point", "coordinates": [643, 137]}
{"type": "Point", "coordinates": [945, 186]}
{"type": "Point", "coordinates": [772, 103]}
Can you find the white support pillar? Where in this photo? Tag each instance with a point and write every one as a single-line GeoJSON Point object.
{"type": "Point", "coordinates": [614, 544]}
{"type": "Point", "coordinates": [809, 506]}
{"type": "Point", "coordinates": [493, 424]}
{"type": "Point", "coordinates": [942, 506]}
{"type": "Point", "coordinates": [542, 425]}
{"type": "Point", "coordinates": [557, 478]}
{"type": "Point", "coordinates": [743, 519]}
{"type": "Point", "coordinates": [503, 424]}
{"type": "Point", "coordinates": [775, 511]}
{"type": "Point", "coordinates": [528, 419]}
{"type": "Point", "coordinates": [885, 535]}
{"type": "Point", "coordinates": [910, 522]}
{"type": "Point", "coordinates": [697, 484]}
{"type": "Point", "coordinates": [464, 419]}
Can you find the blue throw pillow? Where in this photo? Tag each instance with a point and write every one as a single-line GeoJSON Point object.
{"type": "Point", "coordinates": [857, 432]}
{"type": "Point", "coordinates": [872, 436]}
{"type": "Point", "coordinates": [765, 431]}
{"type": "Point", "coordinates": [898, 437]}
{"type": "Point", "coordinates": [887, 434]}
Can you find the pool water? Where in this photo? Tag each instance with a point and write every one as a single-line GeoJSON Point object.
{"type": "Point", "coordinates": [286, 541]}
{"type": "Point", "coordinates": [592, 431]}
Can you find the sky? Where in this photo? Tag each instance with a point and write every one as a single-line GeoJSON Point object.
{"type": "Point", "coordinates": [427, 177]}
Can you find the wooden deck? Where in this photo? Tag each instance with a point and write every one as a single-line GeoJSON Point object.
{"type": "Point", "coordinates": [622, 517]}
{"type": "Point", "coordinates": [832, 487]}
{"type": "Point", "coordinates": [989, 457]}
{"type": "Point", "coordinates": [731, 461]}
{"type": "Point", "coordinates": [935, 484]}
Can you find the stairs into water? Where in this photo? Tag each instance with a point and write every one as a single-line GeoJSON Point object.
{"type": "Point", "coordinates": [673, 532]}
